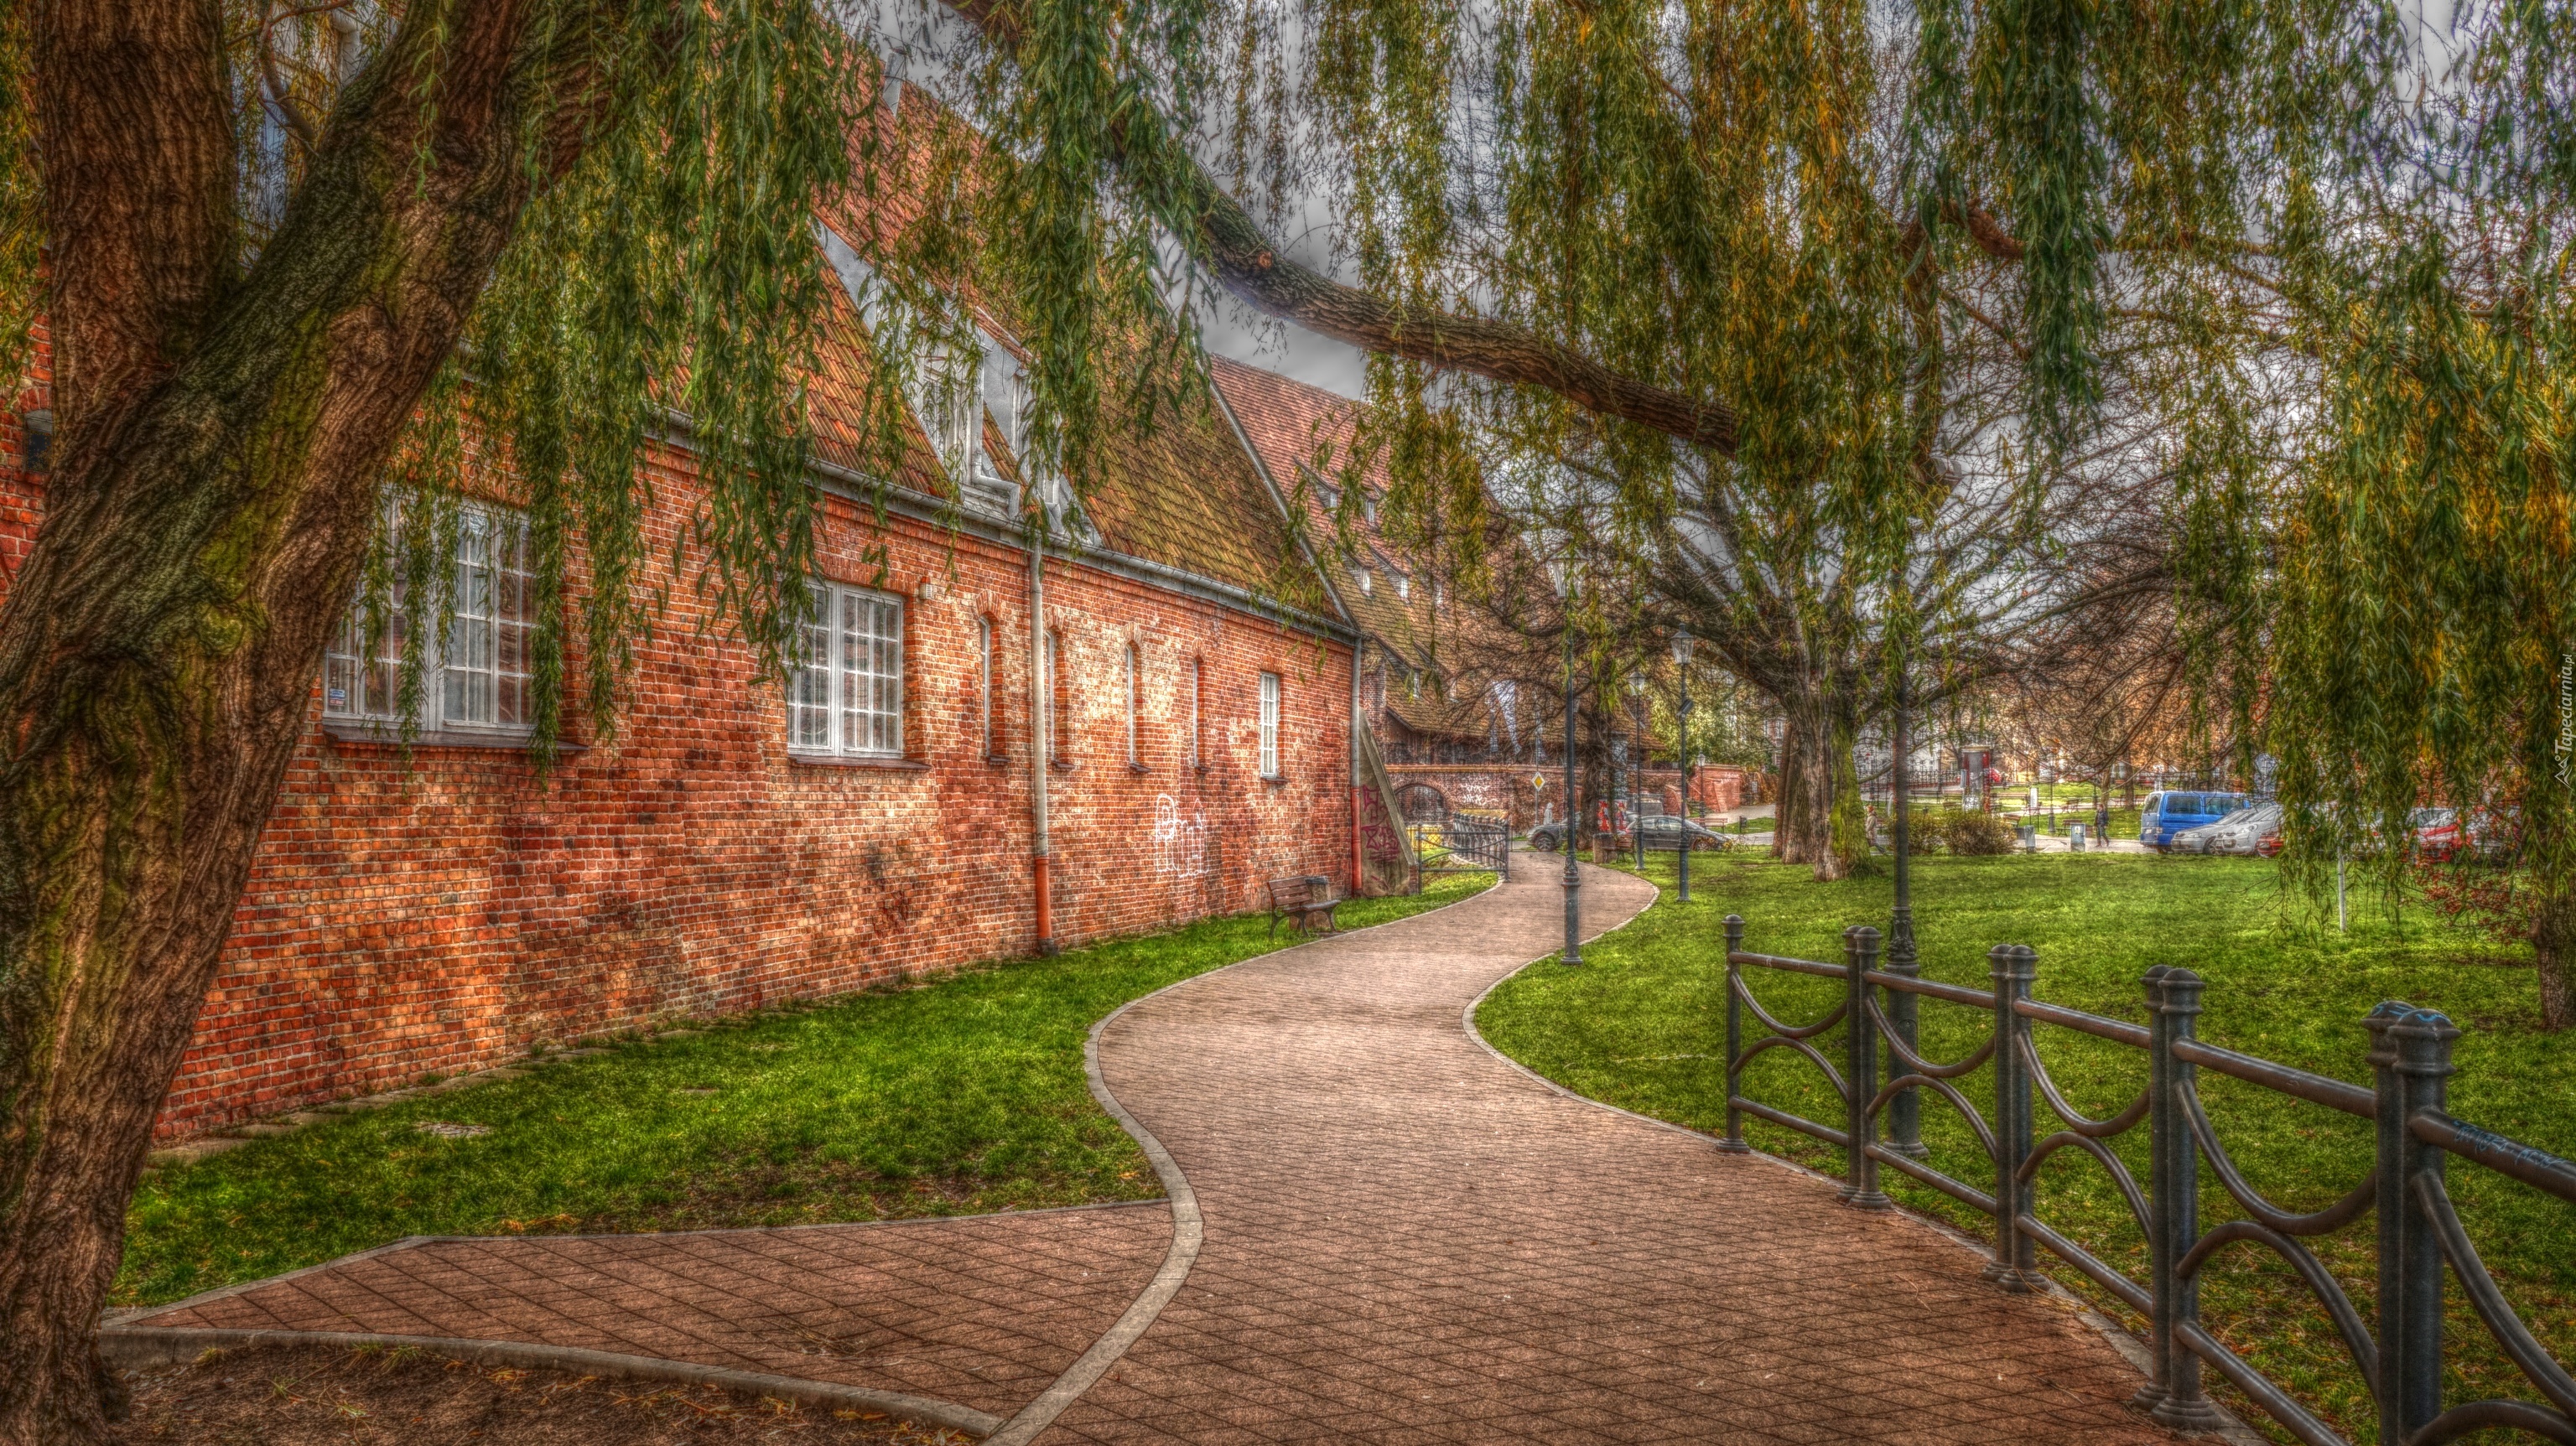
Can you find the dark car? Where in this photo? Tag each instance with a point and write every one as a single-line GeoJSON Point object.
{"type": "Point", "coordinates": [1669, 830]}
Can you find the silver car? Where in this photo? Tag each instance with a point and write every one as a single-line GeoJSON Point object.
{"type": "Point", "coordinates": [2238, 833]}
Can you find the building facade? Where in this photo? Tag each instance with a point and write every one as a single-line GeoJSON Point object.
{"type": "Point", "coordinates": [1161, 669]}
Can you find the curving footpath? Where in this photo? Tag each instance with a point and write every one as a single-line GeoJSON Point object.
{"type": "Point", "coordinates": [1380, 1231]}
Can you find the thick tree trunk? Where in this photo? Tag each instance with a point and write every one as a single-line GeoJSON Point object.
{"type": "Point", "coordinates": [2553, 946]}
{"type": "Point", "coordinates": [215, 488]}
{"type": "Point", "coordinates": [1810, 784]}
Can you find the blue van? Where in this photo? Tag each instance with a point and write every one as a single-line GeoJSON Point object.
{"type": "Point", "coordinates": [2167, 814]}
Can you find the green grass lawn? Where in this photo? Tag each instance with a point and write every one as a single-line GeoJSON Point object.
{"type": "Point", "coordinates": [959, 1095]}
{"type": "Point", "coordinates": [1641, 1026]}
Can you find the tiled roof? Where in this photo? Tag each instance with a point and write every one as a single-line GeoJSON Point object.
{"type": "Point", "coordinates": [1304, 436]}
{"type": "Point", "coordinates": [1183, 494]}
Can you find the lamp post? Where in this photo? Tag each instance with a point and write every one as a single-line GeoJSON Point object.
{"type": "Point", "coordinates": [1637, 751]}
{"type": "Point", "coordinates": [1905, 1123]}
{"type": "Point", "coordinates": [1560, 571]}
{"type": "Point", "coordinates": [1681, 751]}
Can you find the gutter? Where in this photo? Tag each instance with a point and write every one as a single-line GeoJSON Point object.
{"type": "Point", "coordinates": [857, 487]}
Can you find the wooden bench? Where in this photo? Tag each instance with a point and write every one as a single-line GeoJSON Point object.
{"type": "Point", "coordinates": [1299, 899]}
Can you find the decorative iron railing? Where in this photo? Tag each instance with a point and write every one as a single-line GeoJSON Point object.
{"type": "Point", "coordinates": [2419, 1229]}
{"type": "Point", "coordinates": [1465, 843]}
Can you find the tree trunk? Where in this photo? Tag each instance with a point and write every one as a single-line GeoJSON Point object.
{"type": "Point", "coordinates": [1804, 829]}
{"type": "Point", "coordinates": [213, 498]}
{"type": "Point", "coordinates": [2553, 947]}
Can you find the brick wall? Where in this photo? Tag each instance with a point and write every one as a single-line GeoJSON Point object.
{"type": "Point", "coordinates": [450, 909]}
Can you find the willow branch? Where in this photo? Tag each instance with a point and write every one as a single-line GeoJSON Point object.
{"type": "Point", "coordinates": [1247, 264]}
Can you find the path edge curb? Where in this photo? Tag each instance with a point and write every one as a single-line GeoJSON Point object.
{"type": "Point", "coordinates": [2230, 1427]}
{"type": "Point", "coordinates": [144, 1347]}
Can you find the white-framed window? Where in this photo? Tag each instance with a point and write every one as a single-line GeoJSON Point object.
{"type": "Point", "coordinates": [1270, 725]}
{"type": "Point", "coordinates": [984, 684]}
{"type": "Point", "coordinates": [845, 695]}
{"type": "Point", "coordinates": [1133, 755]}
{"type": "Point", "coordinates": [478, 676]}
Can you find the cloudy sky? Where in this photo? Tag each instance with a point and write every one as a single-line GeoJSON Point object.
{"type": "Point", "coordinates": [918, 37]}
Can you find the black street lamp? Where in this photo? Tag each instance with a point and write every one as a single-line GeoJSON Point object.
{"type": "Point", "coordinates": [1681, 751]}
{"type": "Point", "coordinates": [1560, 571]}
{"type": "Point", "coordinates": [1637, 769]}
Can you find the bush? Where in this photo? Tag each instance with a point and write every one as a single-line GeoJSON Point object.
{"type": "Point", "coordinates": [1978, 833]}
{"type": "Point", "coordinates": [1922, 832]}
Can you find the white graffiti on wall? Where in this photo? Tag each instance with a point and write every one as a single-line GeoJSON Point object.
{"type": "Point", "coordinates": [1180, 844]}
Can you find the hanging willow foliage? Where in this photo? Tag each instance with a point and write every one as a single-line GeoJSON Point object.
{"type": "Point", "coordinates": [2313, 252]}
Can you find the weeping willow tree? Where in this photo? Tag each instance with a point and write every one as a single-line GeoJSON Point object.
{"type": "Point", "coordinates": [2314, 252]}
{"type": "Point", "coordinates": [288, 260]}
{"type": "Point", "coordinates": [295, 260]}
{"type": "Point", "coordinates": [2419, 583]}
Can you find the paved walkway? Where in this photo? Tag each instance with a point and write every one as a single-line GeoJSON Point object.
{"type": "Point", "coordinates": [1399, 1237]}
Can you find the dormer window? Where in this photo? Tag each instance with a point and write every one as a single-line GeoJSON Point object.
{"type": "Point", "coordinates": [1368, 581]}
{"type": "Point", "coordinates": [943, 398]}
{"type": "Point", "coordinates": [1403, 585]}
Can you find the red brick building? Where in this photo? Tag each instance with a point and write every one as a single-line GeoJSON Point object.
{"type": "Point", "coordinates": [737, 844]}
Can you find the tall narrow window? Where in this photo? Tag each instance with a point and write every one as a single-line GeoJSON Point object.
{"type": "Point", "coordinates": [486, 658]}
{"type": "Point", "coordinates": [1270, 725]}
{"type": "Point", "coordinates": [1198, 685]}
{"type": "Point", "coordinates": [1133, 760]}
{"type": "Point", "coordinates": [984, 684]}
{"type": "Point", "coordinates": [1055, 698]}
{"type": "Point", "coordinates": [846, 693]}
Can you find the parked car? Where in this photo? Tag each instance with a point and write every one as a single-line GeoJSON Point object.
{"type": "Point", "coordinates": [2169, 814]}
{"type": "Point", "coordinates": [2241, 832]}
{"type": "Point", "coordinates": [1668, 830]}
{"type": "Point", "coordinates": [1664, 831]}
{"type": "Point", "coordinates": [2486, 835]}
{"type": "Point", "coordinates": [2437, 833]}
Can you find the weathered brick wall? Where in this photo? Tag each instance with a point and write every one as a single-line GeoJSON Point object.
{"type": "Point", "coordinates": [452, 909]}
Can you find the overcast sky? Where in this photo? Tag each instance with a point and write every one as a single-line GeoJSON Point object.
{"type": "Point", "coordinates": [917, 37]}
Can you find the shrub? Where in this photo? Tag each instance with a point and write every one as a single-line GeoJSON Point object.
{"type": "Point", "coordinates": [1977, 833]}
{"type": "Point", "coordinates": [1923, 831]}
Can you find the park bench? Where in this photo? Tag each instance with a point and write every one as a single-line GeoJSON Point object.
{"type": "Point", "coordinates": [1298, 899]}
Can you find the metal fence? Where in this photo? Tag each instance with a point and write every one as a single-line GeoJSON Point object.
{"type": "Point", "coordinates": [1463, 844]}
{"type": "Point", "coordinates": [2418, 1227]}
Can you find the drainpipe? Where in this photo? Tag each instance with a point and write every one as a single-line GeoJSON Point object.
{"type": "Point", "coordinates": [1042, 745]}
{"type": "Point", "coordinates": [1359, 878]}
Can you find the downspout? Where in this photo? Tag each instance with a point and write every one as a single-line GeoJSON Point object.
{"type": "Point", "coordinates": [1041, 715]}
{"type": "Point", "coordinates": [1359, 872]}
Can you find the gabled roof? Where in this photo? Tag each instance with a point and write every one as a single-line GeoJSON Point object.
{"type": "Point", "coordinates": [1304, 434]}
{"type": "Point", "coordinates": [1181, 494]}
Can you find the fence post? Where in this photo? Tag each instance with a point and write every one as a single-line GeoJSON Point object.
{"type": "Point", "coordinates": [2012, 967]}
{"type": "Point", "coordinates": [2160, 1210]}
{"type": "Point", "coordinates": [1860, 1070]}
{"type": "Point", "coordinates": [1734, 1144]}
{"type": "Point", "coordinates": [2410, 1057]}
{"type": "Point", "coordinates": [1905, 1112]}
{"type": "Point", "coordinates": [2176, 1217]}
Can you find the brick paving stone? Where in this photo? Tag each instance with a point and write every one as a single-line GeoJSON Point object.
{"type": "Point", "coordinates": [985, 1311]}
{"type": "Point", "coordinates": [1408, 1240]}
